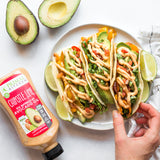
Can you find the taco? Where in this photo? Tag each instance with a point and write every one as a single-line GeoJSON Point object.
{"type": "Point", "coordinates": [127, 84]}
{"type": "Point", "coordinates": [98, 55]}
{"type": "Point", "coordinates": [70, 77]}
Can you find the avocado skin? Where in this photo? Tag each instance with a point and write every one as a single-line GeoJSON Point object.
{"type": "Point", "coordinates": [61, 25]}
{"type": "Point", "coordinates": [121, 44]}
{"type": "Point", "coordinates": [105, 96]}
{"type": "Point", "coordinates": [24, 16]}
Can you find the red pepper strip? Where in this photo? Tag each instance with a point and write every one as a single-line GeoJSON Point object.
{"type": "Point", "coordinates": [75, 48]}
{"type": "Point", "coordinates": [95, 52]}
{"type": "Point", "coordinates": [106, 51]}
{"type": "Point", "coordinates": [124, 51]}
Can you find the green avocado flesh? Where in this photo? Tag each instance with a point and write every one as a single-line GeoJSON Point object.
{"type": "Point", "coordinates": [81, 117]}
{"type": "Point", "coordinates": [105, 96]}
{"type": "Point", "coordinates": [103, 38]}
{"type": "Point", "coordinates": [30, 113]}
{"type": "Point", "coordinates": [121, 44]}
{"type": "Point", "coordinates": [55, 13]}
{"type": "Point", "coordinates": [17, 8]}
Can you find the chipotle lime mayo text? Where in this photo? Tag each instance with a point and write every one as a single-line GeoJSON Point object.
{"type": "Point", "coordinates": [34, 123]}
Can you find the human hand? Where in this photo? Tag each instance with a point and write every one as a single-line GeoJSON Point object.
{"type": "Point", "coordinates": [145, 142]}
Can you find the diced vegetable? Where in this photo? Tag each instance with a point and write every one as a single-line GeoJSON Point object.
{"type": "Point", "coordinates": [124, 51]}
{"type": "Point", "coordinates": [116, 97]}
{"type": "Point", "coordinates": [119, 56]}
{"type": "Point", "coordinates": [137, 81]}
{"type": "Point", "coordinates": [102, 82]}
{"type": "Point", "coordinates": [135, 71]}
{"type": "Point", "coordinates": [121, 89]}
{"type": "Point", "coordinates": [81, 88]}
{"type": "Point", "coordinates": [95, 84]}
{"type": "Point", "coordinates": [111, 34]}
{"type": "Point", "coordinates": [84, 44]}
{"type": "Point", "coordinates": [104, 29]}
{"type": "Point", "coordinates": [74, 110]}
{"type": "Point", "coordinates": [123, 94]}
{"type": "Point", "coordinates": [70, 95]}
{"type": "Point", "coordinates": [133, 47]}
{"type": "Point", "coordinates": [130, 62]}
{"type": "Point", "coordinates": [124, 80]}
{"type": "Point", "coordinates": [92, 106]}
{"type": "Point", "coordinates": [118, 66]}
{"type": "Point", "coordinates": [133, 99]}
{"type": "Point", "coordinates": [60, 75]}
{"type": "Point", "coordinates": [76, 48]}
{"type": "Point", "coordinates": [130, 83]}
{"type": "Point", "coordinates": [106, 52]}
{"type": "Point", "coordinates": [124, 101]}
{"type": "Point", "coordinates": [87, 110]}
{"type": "Point", "coordinates": [107, 70]}
{"type": "Point", "coordinates": [126, 59]}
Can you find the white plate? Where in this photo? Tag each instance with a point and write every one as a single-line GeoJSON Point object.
{"type": "Point", "coordinates": [101, 121]}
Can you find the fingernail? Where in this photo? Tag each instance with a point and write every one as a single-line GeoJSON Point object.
{"type": "Point", "coordinates": [115, 114]}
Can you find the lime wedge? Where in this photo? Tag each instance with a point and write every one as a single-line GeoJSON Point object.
{"type": "Point", "coordinates": [62, 110]}
{"type": "Point", "coordinates": [145, 93]}
{"type": "Point", "coordinates": [49, 77]}
{"type": "Point", "coordinates": [148, 66]}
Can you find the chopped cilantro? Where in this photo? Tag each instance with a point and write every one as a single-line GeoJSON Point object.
{"type": "Point", "coordinates": [94, 84]}
{"type": "Point", "coordinates": [119, 56]}
{"type": "Point", "coordinates": [102, 82]}
{"type": "Point", "coordinates": [105, 69]}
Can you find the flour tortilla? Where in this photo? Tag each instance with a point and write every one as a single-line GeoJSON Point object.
{"type": "Point", "coordinates": [60, 85]}
{"type": "Point", "coordinates": [88, 77]}
{"type": "Point", "coordinates": [136, 105]}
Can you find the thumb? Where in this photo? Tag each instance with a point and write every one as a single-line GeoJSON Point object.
{"type": "Point", "coordinates": [118, 124]}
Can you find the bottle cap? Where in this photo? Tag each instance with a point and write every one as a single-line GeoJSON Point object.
{"type": "Point", "coordinates": [53, 153]}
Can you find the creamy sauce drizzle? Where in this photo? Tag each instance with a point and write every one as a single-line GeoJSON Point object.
{"type": "Point", "coordinates": [129, 76]}
{"type": "Point", "coordinates": [68, 87]}
{"type": "Point", "coordinates": [94, 46]}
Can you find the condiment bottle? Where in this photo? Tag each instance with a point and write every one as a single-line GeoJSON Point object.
{"type": "Point", "coordinates": [35, 124]}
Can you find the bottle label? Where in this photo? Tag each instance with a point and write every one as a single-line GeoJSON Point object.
{"type": "Point", "coordinates": [25, 105]}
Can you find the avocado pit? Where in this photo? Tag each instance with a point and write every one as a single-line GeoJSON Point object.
{"type": "Point", "coordinates": [21, 25]}
{"type": "Point", "coordinates": [37, 119]}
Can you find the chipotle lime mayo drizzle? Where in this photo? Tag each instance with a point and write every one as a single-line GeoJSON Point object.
{"type": "Point", "coordinates": [75, 80]}
{"type": "Point", "coordinates": [129, 54]}
{"type": "Point", "coordinates": [99, 48]}
{"type": "Point", "coordinates": [21, 101]}
{"type": "Point", "coordinates": [129, 76]}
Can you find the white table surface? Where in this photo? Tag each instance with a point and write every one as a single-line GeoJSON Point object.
{"type": "Point", "coordinates": [78, 143]}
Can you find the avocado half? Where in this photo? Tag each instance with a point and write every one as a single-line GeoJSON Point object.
{"type": "Point", "coordinates": [55, 13]}
{"type": "Point", "coordinates": [30, 113]}
{"type": "Point", "coordinates": [21, 24]}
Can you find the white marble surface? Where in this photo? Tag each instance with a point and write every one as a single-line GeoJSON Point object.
{"type": "Point", "coordinates": [78, 143]}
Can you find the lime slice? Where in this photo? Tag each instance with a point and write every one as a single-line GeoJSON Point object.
{"type": "Point", "coordinates": [49, 77]}
{"type": "Point", "coordinates": [148, 66]}
{"type": "Point", "coordinates": [145, 93]}
{"type": "Point", "coordinates": [62, 110]}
